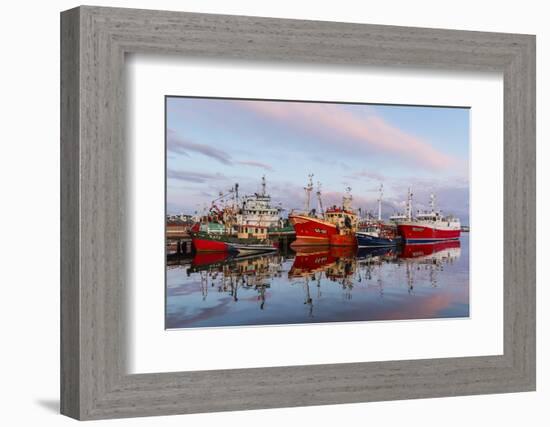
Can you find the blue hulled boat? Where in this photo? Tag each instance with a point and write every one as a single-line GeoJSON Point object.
{"type": "Point", "coordinates": [374, 238]}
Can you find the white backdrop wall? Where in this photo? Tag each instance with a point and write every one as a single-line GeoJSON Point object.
{"type": "Point", "coordinates": [29, 213]}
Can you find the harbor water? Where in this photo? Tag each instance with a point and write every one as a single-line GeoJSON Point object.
{"type": "Point", "coordinates": [320, 284]}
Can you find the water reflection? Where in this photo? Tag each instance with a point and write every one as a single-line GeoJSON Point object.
{"type": "Point", "coordinates": [320, 284]}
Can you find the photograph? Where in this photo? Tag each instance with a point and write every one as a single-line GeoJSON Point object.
{"type": "Point", "coordinates": [283, 212]}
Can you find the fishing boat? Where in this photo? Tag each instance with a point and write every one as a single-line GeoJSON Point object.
{"type": "Point", "coordinates": [376, 236]}
{"type": "Point", "coordinates": [211, 236]}
{"type": "Point", "coordinates": [429, 226]}
{"type": "Point", "coordinates": [346, 223]}
{"type": "Point", "coordinates": [311, 230]}
{"type": "Point", "coordinates": [375, 233]}
{"type": "Point", "coordinates": [257, 210]}
{"type": "Point", "coordinates": [238, 225]}
{"type": "Point", "coordinates": [317, 227]}
{"type": "Point", "coordinates": [208, 242]}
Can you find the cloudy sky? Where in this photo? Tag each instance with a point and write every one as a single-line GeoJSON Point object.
{"type": "Point", "coordinates": [214, 143]}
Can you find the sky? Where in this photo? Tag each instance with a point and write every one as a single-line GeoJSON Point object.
{"type": "Point", "coordinates": [214, 143]}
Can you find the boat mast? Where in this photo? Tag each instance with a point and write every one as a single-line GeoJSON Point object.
{"type": "Point", "coordinates": [432, 202]}
{"type": "Point", "coordinates": [263, 185]}
{"type": "Point", "coordinates": [309, 189]}
{"type": "Point", "coordinates": [380, 194]}
{"type": "Point", "coordinates": [409, 204]}
{"type": "Point", "coordinates": [319, 201]}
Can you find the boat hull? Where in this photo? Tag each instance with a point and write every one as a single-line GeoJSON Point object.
{"type": "Point", "coordinates": [343, 240]}
{"type": "Point", "coordinates": [421, 233]}
{"type": "Point", "coordinates": [251, 248]}
{"type": "Point", "coordinates": [311, 231]}
{"type": "Point", "coordinates": [208, 245]}
{"type": "Point", "coordinates": [365, 240]}
{"type": "Point", "coordinates": [205, 244]}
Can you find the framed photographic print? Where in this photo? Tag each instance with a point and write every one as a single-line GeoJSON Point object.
{"type": "Point", "coordinates": [277, 248]}
{"type": "Point", "coordinates": [292, 213]}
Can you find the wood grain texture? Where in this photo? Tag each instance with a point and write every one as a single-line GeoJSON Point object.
{"type": "Point", "coordinates": [70, 242]}
{"type": "Point", "coordinates": [94, 203]}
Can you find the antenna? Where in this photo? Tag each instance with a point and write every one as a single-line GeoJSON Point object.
{"type": "Point", "coordinates": [346, 200]}
{"type": "Point", "coordinates": [380, 194]}
{"type": "Point", "coordinates": [432, 202]}
{"type": "Point", "coordinates": [263, 185]}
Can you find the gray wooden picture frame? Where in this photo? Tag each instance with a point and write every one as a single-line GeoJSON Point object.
{"type": "Point", "coordinates": [94, 381]}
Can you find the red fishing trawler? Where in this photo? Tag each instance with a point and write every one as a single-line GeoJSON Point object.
{"type": "Point", "coordinates": [324, 227]}
{"type": "Point", "coordinates": [311, 230]}
{"type": "Point", "coordinates": [430, 229]}
{"type": "Point", "coordinates": [247, 240]}
{"type": "Point", "coordinates": [429, 226]}
{"type": "Point", "coordinates": [240, 226]}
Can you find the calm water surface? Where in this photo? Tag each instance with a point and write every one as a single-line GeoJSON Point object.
{"type": "Point", "coordinates": [320, 285]}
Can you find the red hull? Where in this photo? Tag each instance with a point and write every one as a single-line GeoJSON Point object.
{"type": "Point", "coordinates": [311, 231]}
{"type": "Point", "coordinates": [205, 245]}
{"type": "Point", "coordinates": [423, 233]}
{"type": "Point", "coordinates": [343, 240]}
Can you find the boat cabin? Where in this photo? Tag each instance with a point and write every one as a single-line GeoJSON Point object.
{"type": "Point", "coordinates": [399, 217]}
{"type": "Point", "coordinates": [255, 231]}
{"type": "Point", "coordinates": [211, 228]}
{"type": "Point", "coordinates": [436, 216]}
{"type": "Point", "coordinates": [338, 217]}
{"type": "Point", "coordinates": [428, 216]}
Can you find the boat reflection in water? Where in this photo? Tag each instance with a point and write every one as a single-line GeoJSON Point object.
{"type": "Point", "coordinates": [320, 284]}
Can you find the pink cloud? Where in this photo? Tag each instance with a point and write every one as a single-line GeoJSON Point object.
{"type": "Point", "coordinates": [255, 163]}
{"type": "Point", "coordinates": [370, 132]}
{"type": "Point", "coordinates": [179, 145]}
